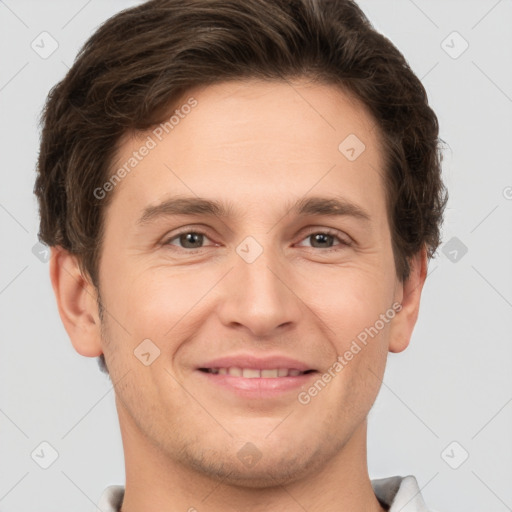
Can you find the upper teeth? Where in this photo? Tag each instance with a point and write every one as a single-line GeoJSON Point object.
{"type": "Point", "coordinates": [253, 373]}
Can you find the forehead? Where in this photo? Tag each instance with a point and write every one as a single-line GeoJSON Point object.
{"type": "Point", "coordinates": [256, 141]}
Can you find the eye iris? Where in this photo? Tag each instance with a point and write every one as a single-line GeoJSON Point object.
{"type": "Point", "coordinates": [321, 238]}
{"type": "Point", "coordinates": [193, 238]}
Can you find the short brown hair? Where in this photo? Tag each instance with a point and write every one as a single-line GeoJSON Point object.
{"type": "Point", "coordinates": [142, 59]}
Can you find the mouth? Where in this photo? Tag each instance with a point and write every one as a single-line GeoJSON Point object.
{"type": "Point", "coordinates": [256, 373]}
{"type": "Point", "coordinates": [249, 376]}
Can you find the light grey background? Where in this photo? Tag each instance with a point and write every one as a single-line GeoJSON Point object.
{"type": "Point", "coordinates": [453, 383]}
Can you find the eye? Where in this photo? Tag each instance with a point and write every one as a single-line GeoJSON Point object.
{"type": "Point", "coordinates": [325, 237]}
{"type": "Point", "coordinates": [188, 239]}
{"type": "Point", "coordinates": [192, 240]}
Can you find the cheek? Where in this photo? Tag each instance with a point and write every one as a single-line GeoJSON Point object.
{"type": "Point", "coordinates": [160, 302]}
{"type": "Point", "coordinates": [350, 300]}
{"type": "Point", "coordinates": [370, 315]}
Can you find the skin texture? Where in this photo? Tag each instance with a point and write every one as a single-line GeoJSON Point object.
{"type": "Point", "coordinates": [259, 146]}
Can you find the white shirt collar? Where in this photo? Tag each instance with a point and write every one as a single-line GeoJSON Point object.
{"type": "Point", "coordinates": [401, 494]}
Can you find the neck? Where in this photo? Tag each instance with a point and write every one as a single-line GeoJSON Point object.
{"type": "Point", "coordinates": [155, 481]}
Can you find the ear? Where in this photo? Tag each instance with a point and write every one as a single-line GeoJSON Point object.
{"type": "Point", "coordinates": [408, 294]}
{"type": "Point", "coordinates": [77, 303]}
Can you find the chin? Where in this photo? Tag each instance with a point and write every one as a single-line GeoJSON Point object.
{"type": "Point", "coordinates": [267, 472]}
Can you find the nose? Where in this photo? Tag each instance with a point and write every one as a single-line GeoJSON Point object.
{"type": "Point", "coordinates": [259, 296]}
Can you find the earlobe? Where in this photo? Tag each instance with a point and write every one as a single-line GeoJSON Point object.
{"type": "Point", "coordinates": [77, 303]}
{"type": "Point", "coordinates": [404, 322]}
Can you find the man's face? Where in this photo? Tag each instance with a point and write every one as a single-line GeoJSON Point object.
{"type": "Point", "coordinates": [263, 288]}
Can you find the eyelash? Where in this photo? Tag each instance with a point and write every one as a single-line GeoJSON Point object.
{"type": "Point", "coordinates": [325, 231]}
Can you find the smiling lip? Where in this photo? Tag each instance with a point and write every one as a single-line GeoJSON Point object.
{"type": "Point", "coordinates": [256, 377]}
{"type": "Point", "coordinates": [253, 362]}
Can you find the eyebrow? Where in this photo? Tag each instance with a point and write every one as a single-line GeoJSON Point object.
{"type": "Point", "coordinates": [329, 206]}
